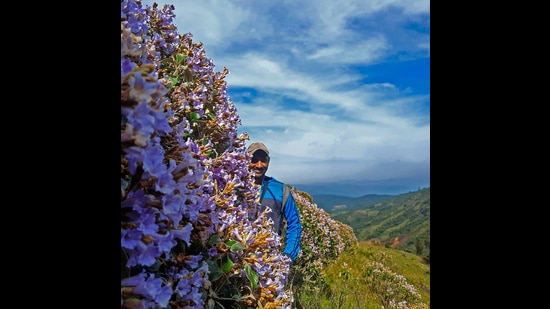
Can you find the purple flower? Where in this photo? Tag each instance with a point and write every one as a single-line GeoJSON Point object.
{"type": "Point", "coordinates": [173, 207]}
{"type": "Point", "coordinates": [154, 292]}
{"type": "Point", "coordinates": [165, 242]}
{"type": "Point", "coordinates": [130, 238]}
{"type": "Point", "coordinates": [194, 260]}
{"type": "Point", "coordinates": [142, 254]}
{"type": "Point", "coordinates": [184, 233]}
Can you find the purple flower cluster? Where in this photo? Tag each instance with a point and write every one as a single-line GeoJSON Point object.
{"type": "Point", "coordinates": [191, 233]}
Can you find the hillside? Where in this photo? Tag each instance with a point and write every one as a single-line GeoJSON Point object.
{"type": "Point", "coordinates": [401, 222]}
{"type": "Point", "coordinates": [346, 283]}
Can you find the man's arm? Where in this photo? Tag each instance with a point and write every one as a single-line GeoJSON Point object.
{"type": "Point", "coordinates": [293, 229]}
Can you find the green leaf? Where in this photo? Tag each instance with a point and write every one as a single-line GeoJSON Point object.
{"type": "Point", "coordinates": [252, 276]}
{"type": "Point", "coordinates": [214, 239]}
{"type": "Point", "coordinates": [227, 264]}
{"type": "Point", "coordinates": [194, 116]}
{"type": "Point", "coordinates": [230, 242]}
{"type": "Point", "coordinates": [180, 58]}
{"type": "Point", "coordinates": [214, 271]}
{"type": "Point", "coordinates": [210, 304]}
{"type": "Point", "coordinates": [236, 247]}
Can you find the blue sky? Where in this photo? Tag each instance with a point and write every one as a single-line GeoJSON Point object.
{"type": "Point", "coordinates": [338, 90]}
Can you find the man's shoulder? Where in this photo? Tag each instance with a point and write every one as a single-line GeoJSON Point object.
{"type": "Point", "coordinates": [279, 184]}
{"type": "Point", "coordinates": [275, 181]}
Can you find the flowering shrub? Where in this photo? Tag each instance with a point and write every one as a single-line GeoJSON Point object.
{"type": "Point", "coordinates": [393, 289]}
{"type": "Point", "coordinates": [191, 232]}
{"type": "Point", "coordinates": [323, 239]}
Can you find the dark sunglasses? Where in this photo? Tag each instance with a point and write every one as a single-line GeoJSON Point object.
{"type": "Point", "coordinates": [256, 159]}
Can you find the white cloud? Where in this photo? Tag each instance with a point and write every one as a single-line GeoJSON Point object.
{"type": "Point", "coordinates": [324, 84]}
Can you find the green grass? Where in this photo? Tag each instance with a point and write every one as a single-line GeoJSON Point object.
{"type": "Point", "coordinates": [351, 282]}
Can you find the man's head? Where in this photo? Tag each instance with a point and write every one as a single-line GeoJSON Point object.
{"type": "Point", "coordinates": [260, 160]}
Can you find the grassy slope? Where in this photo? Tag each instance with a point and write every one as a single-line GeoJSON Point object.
{"type": "Point", "coordinates": [346, 286]}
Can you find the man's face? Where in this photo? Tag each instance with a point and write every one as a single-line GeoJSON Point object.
{"type": "Point", "coordinates": [259, 164]}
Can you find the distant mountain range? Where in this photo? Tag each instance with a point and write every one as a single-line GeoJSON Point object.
{"type": "Point", "coordinates": [329, 202]}
{"type": "Point", "coordinates": [360, 188]}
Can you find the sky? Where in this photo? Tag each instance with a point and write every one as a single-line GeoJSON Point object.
{"type": "Point", "coordinates": [339, 91]}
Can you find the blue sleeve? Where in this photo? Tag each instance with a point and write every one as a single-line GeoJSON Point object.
{"type": "Point", "coordinates": [293, 229]}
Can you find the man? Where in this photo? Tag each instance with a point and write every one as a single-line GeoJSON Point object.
{"type": "Point", "coordinates": [271, 194]}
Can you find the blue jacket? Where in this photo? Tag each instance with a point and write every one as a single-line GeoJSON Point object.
{"type": "Point", "coordinates": [272, 196]}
